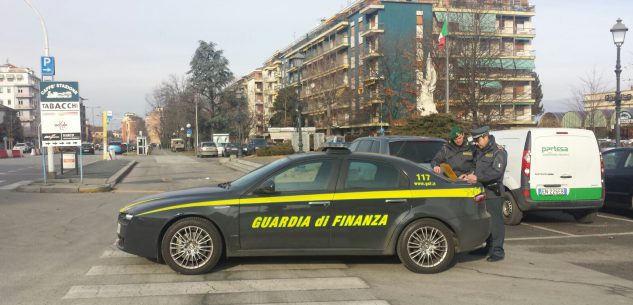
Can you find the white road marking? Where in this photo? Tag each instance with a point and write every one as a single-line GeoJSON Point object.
{"type": "Point", "coordinates": [616, 218]}
{"type": "Point", "coordinates": [213, 287]}
{"type": "Point", "coordinates": [15, 185]}
{"type": "Point", "coordinates": [572, 236]}
{"type": "Point", "coordinates": [365, 302]}
{"type": "Point", "coordinates": [116, 254]}
{"type": "Point", "coordinates": [547, 229]}
{"type": "Point", "coordinates": [157, 268]}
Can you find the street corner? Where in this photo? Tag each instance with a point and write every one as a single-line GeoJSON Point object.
{"type": "Point", "coordinates": [95, 188]}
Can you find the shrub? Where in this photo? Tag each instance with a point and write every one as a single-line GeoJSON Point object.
{"type": "Point", "coordinates": [276, 150]}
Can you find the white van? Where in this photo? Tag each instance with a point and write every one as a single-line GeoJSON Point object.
{"type": "Point", "coordinates": [552, 169]}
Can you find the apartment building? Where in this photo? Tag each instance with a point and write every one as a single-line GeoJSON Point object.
{"type": "Point", "coordinates": [502, 32]}
{"type": "Point", "coordinates": [19, 90]}
{"type": "Point", "coordinates": [253, 85]}
{"type": "Point", "coordinates": [376, 61]}
{"type": "Point", "coordinates": [131, 124]}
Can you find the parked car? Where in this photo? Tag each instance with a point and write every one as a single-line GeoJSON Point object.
{"type": "Point", "coordinates": [255, 144]}
{"type": "Point", "coordinates": [87, 148]}
{"type": "Point", "coordinates": [299, 206]}
{"type": "Point", "coordinates": [22, 147]}
{"type": "Point", "coordinates": [551, 169]}
{"type": "Point", "coordinates": [207, 149]}
{"type": "Point", "coordinates": [230, 149]}
{"type": "Point", "coordinates": [417, 149]}
{"type": "Point", "coordinates": [177, 144]}
{"type": "Point", "coordinates": [116, 146]}
{"type": "Point", "coordinates": [618, 177]}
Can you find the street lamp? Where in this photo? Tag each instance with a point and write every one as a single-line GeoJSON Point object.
{"type": "Point", "coordinates": [619, 32]}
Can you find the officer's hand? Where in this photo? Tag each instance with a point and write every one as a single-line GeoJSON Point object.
{"type": "Point", "coordinates": [437, 169]}
{"type": "Point", "coordinates": [471, 179]}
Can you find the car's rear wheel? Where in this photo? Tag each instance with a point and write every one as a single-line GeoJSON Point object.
{"type": "Point", "coordinates": [426, 246]}
{"type": "Point", "coordinates": [192, 246]}
{"type": "Point", "coordinates": [512, 215]}
{"type": "Point", "coordinates": [585, 216]}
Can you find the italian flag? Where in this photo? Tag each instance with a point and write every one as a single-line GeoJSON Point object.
{"type": "Point", "coordinates": [443, 34]}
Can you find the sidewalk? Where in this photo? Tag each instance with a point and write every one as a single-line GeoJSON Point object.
{"type": "Point", "coordinates": [99, 176]}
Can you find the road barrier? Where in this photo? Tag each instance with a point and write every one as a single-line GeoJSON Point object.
{"type": "Point", "coordinates": [6, 153]}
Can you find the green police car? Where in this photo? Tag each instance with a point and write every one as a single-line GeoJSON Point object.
{"type": "Point", "coordinates": [326, 203]}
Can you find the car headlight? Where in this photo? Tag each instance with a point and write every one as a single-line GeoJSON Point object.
{"type": "Point", "coordinates": [129, 217]}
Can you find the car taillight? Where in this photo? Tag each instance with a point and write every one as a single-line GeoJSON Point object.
{"type": "Point", "coordinates": [525, 163]}
{"type": "Point", "coordinates": [526, 193]}
{"type": "Point", "coordinates": [481, 198]}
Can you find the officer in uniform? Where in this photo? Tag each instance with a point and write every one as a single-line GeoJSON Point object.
{"type": "Point", "coordinates": [456, 153]}
{"type": "Point", "coordinates": [490, 164]}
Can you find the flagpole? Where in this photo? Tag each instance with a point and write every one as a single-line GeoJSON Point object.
{"type": "Point", "coordinates": [447, 81]}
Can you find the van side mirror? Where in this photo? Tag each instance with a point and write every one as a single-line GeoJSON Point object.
{"type": "Point", "coordinates": [267, 188]}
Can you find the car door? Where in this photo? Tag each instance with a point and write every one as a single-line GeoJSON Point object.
{"type": "Point", "coordinates": [370, 199]}
{"type": "Point", "coordinates": [286, 210]}
{"type": "Point", "coordinates": [614, 176]}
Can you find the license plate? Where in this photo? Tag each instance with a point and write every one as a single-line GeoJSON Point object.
{"type": "Point", "coordinates": [552, 191]}
{"type": "Point", "coordinates": [118, 228]}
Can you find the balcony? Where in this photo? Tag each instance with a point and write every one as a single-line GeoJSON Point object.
{"type": "Point", "coordinates": [518, 53]}
{"type": "Point", "coordinates": [339, 45]}
{"type": "Point", "coordinates": [372, 54]}
{"type": "Point", "coordinates": [478, 5]}
{"type": "Point", "coordinates": [24, 95]}
{"type": "Point", "coordinates": [372, 8]}
{"type": "Point", "coordinates": [371, 31]}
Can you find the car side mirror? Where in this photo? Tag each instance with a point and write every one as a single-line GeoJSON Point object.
{"type": "Point", "coordinates": [267, 189]}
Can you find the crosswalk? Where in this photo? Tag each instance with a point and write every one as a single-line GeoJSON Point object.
{"type": "Point", "coordinates": [121, 278]}
{"type": "Point", "coordinates": [13, 185]}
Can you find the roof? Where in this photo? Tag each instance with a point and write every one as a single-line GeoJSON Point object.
{"type": "Point", "coordinates": [403, 138]}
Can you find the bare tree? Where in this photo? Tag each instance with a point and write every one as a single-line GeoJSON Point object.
{"type": "Point", "coordinates": [475, 65]}
{"type": "Point", "coordinates": [586, 97]}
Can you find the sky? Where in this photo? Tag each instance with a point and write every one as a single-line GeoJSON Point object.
{"type": "Point", "coordinates": [120, 50]}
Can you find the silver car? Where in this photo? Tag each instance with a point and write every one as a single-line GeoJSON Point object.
{"type": "Point", "coordinates": [207, 149]}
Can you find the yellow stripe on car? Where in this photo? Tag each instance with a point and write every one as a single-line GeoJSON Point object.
{"type": "Point", "coordinates": [433, 193]}
{"type": "Point", "coordinates": [127, 207]}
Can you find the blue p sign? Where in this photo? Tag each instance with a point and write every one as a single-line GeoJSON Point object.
{"type": "Point", "coordinates": [48, 65]}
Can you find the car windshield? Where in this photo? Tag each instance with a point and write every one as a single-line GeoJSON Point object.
{"type": "Point", "coordinates": [257, 174]}
{"type": "Point", "coordinates": [416, 151]}
{"type": "Point", "coordinates": [208, 144]}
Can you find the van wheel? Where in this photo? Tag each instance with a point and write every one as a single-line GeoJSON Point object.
{"type": "Point", "coordinates": [512, 215]}
{"type": "Point", "coordinates": [585, 216]}
{"type": "Point", "coordinates": [426, 246]}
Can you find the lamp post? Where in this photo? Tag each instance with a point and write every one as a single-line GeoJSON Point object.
{"type": "Point", "coordinates": [619, 32]}
{"type": "Point", "coordinates": [189, 135]}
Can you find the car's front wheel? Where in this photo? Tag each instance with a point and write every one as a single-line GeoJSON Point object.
{"type": "Point", "coordinates": [192, 246]}
{"type": "Point", "coordinates": [426, 246]}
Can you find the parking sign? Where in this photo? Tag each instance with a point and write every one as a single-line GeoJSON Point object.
{"type": "Point", "coordinates": [48, 66]}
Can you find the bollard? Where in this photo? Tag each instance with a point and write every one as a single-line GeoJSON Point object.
{"type": "Point", "coordinates": [111, 154]}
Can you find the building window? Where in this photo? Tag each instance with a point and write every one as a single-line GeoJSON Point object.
{"type": "Point", "coordinates": [1, 89]}
{"type": "Point", "coordinates": [20, 102]}
{"type": "Point", "coordinates": [8, 90]}
{"type": "Point", "coordinates": [19, 90]}
{"type": "Point", "coordinates": [8, 102]}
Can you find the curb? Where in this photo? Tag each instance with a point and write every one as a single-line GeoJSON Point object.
{"type": "Point", "coordinates": [118, 176]}
{"type": "Point", "coordinates": [72, 185]}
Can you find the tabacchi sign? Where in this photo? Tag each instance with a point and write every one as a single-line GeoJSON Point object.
{"type": "Point", "coordinates": [59, 91]}
{"type": "Point", "coordinates": [60, 111]}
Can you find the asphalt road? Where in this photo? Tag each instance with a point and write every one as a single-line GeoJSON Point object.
{"type": "Point", "coordinates": [58, 249]}
{"type": "Point", "coordinates": [15, 172]}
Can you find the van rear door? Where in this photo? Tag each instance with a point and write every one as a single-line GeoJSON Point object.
{"type": "Point", "coordinates": [565, 165]}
